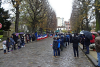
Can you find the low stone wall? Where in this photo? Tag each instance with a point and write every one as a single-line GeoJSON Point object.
{"type": "Point", "coordinates": [7, 33]}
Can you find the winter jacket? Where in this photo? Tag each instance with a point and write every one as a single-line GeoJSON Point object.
{"type": "Point", "coordinates": [55, 44]}
{"type": "Point", "coordinates": [93, 39]}
{"type": "Point", "coordinates": [87, 41]}
{"type": "Point", "coordinates": [75, 41]}
{"type": "Point", "coordinates": [18, 42]}
{"type": "Point", "coordinates": [7, 43]}
{"type": "Point", "coordinates": [12, 42]}
{"type": "Point", "coordinates": [97, 43]}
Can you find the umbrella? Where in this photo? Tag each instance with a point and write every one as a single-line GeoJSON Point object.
{"type": "Point", "coordinates": [4, 42]}
{"type": "Point", "coordinates": [17, 34]}
{"type": "Point", "coordinates": [94, 32]}
{"type": "Point", "coordinates": [21, 33]}
{"type": "Point", "coordinates": [87, 34]}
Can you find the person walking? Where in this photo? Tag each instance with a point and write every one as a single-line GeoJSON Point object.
{"type": "Point", "coordinates": [97, 44]}
{"type": "Point", "coordinates": [75, 41]}
{"type": "Point", "coordinates": [55, 46]}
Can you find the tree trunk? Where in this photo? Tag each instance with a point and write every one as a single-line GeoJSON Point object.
{"type": "Point", "coordinates": [17, 19]}
{"type": "Point", "coordinates": [97, 17]}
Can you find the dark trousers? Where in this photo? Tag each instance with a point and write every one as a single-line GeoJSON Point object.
{"type": "Point", "coordinates": [8, 48]}
{"type": "Point", "coordinates": [4, 51]}
{"type": "Point", "coordinates": [14, 46]}
{"type": "Point", "coordinates": [83, 46]}
{"type": "Point", "coordinates": [58, 51]}
{"type": "Point", "coordinates": [55, 52]}
{"type": "Point", "coordinates": [75, 49]}
{"type": "Point", "coordinates": [87, 47]}
{"type": "Point", "coordinates": [61, 47]}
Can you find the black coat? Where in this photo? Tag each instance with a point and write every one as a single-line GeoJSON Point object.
{"type": "Point", "coordinates": [75, 41]}
{"type": "Point", "coordinates": [87, 41]}
{"type": "Point", "coordinates": [55, 44]}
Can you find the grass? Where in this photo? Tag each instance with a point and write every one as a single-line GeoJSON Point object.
{"type": "Point", "coordinates": [1, 36]}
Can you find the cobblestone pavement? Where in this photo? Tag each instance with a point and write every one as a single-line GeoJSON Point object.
{"type": "Point", "coordinates": [40, 54]}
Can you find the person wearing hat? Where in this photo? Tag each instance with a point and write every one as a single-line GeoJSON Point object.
{"type": "Point", "coordinates": [97, 44]}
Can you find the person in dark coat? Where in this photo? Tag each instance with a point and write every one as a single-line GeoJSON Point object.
{"type": "Point", "coordinates": [55, 46]}
{"type": "Point", "coordinates": [87, 43]}
{"type": "Point", "coordinates": [15, 39]}
{"type": "Point", "coordinates": [62, 43]}
{"type": "Point", "coordinates": [8, 44]}
{"type": "Point", "coordinates": [22, 41]}
{"type": "Point", "coordinates": [58, 50]}
{"type": "Point", "coordinates": [70, 38]}
{"type": "Point", "coordinates": [75, 41]}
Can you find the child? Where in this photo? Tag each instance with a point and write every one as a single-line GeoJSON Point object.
{"type": "Point", "coordinates": [4, 48]}
{"type": "Point", "coordinates": [55, 46]}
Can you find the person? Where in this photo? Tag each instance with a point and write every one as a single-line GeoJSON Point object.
{"type": "Point", "coordinates": [8, 44]}
{"type": "Point", "coordinates": [82, 40]}
{"type": "Point", "coordinates": [18, 42]}
{"type": "Point", "coordinates": [58, 49]}
{"type": "Point", "coordinates": [87, 43]}
{"type": "Point", "coordinates": [65, 41]}
{"type": "Point", "coordinates": [93, 39]}
{"type": "Point", "coordinates": [27, 38]}
{"type": "Point", "coordinates": [22, 41]}
{"type": "Point", "coordinates": [97, 44]}
{"type": "Point", "coordinates": [68, 38]}
{"type": "Point", "coordinates": [62, 43]}
{"type": "Point", "coordinates": [33, 37]}
{"type": "Point", "coordinates": [15, 39]}
{"type": "Point", "coordinates": [12, 42]}
{"type": "Point", "coordinates": [55, 46]}
{"type": "Point", "coordinates": [4, 48]}
{"type": "Point", "coordinates": [75, 41]}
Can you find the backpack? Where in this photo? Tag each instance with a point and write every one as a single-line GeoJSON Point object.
{"type": "Point", "coordinates": [66, 38]}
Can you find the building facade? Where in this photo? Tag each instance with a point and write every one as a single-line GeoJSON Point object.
{"type": "Point", "coordinates": [67, 25]}
{"type": "Point", "coordinates": [60, 23]}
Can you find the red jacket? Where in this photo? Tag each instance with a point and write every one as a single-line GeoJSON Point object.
{"type": "Point", "coordinates": [93, 39]}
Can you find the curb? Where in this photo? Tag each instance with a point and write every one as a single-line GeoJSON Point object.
{"type": "Point", "coordinates": [91, 58]}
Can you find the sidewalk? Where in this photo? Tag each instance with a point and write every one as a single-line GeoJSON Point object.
{"type": "Point", "coordinates": [1, 46]}
{"type": "Point", "coordinates": [92, 56]}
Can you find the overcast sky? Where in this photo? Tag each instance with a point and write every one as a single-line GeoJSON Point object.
{"type": "Point", "coordinates": [62, 8]}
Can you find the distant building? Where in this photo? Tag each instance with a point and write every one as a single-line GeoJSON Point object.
{"type": "Point", "coordinates": [60, 23]}
{"type": "Point", "coordinates": [67, 25]}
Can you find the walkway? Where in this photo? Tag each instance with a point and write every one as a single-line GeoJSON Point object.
{"type": "Point", "coordinates": [39, 54]}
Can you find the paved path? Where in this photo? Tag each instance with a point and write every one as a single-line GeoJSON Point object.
{"type": "Point", "coordinates": [39, 54]}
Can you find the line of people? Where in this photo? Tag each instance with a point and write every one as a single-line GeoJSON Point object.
{"type": "Point", "coordinates": [17, 41]}
{"type": "Point", "coordinates": [60, 42]}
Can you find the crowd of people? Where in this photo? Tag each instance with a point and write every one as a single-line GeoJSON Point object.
{"type": "Point", "coordinates": [17, 41]}
{"type": "Point", "coordinates": [61, 41]}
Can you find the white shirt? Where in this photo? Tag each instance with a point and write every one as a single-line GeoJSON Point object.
{"type": "Point", "coordinates": [4, 47]}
